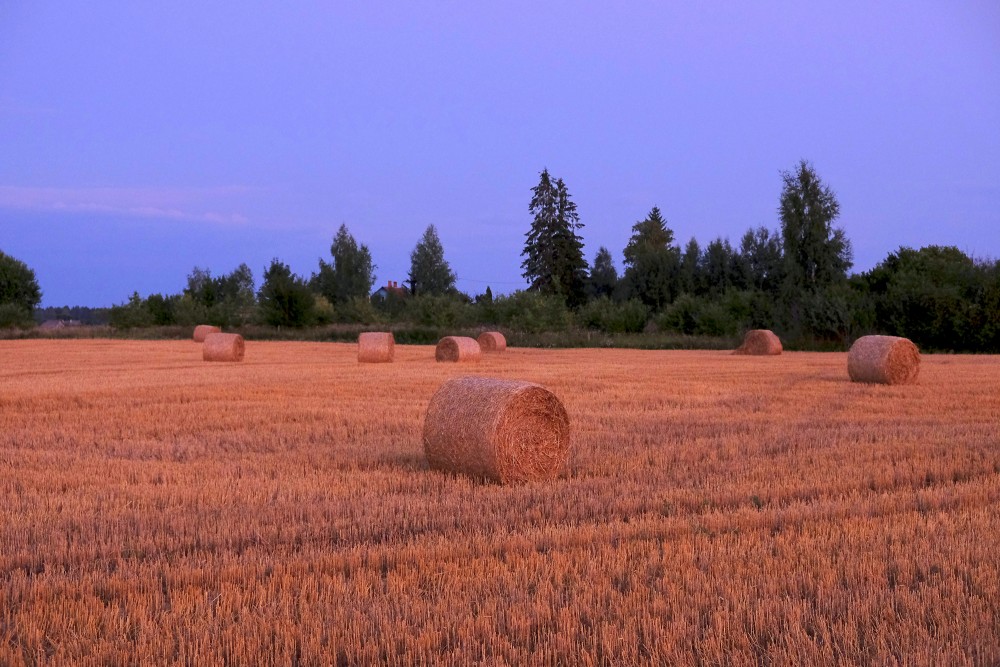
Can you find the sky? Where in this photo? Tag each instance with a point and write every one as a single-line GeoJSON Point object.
{"type": "Point", "coordinates": [140, 140]}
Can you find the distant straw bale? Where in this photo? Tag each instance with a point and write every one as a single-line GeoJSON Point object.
{"type": "Point", "coordinates": [376, 347]}
{"type": "Point", "coordinates": [457, 348]}
{"type": "Point", "coordinates": [759, 342]}
{"type": "Point", "coordinates": [492, 341]}
{"type": "Point", "coordinates": [884, 360]}
{"type": "Point", "coordinates": [202, 330]}
{"type": "Point", "coordinates": [502, 430]}
{"type": "Point", "coordinates": [223, 347]}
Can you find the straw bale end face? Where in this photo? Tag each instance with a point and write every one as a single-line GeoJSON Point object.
{"type": "Point", "coordinates": [223, 347]}
{"type": "Point", "coordinates": [202, 330]}
{"type": "Point", "coordinates": [883, 360]}
{"type": "Point", "coordinates": [376, 347]}
{"type": "Point", "coordinates": [457, 348]}
{"type": "Point", "coordinates": [506, 431]}
{"type": "Point", "coordinates": [492, 341]}
{"type": "Point", "coordinates": [760, 342]}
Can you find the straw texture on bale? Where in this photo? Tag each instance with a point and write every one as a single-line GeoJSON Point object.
{"type": "Point", "coordinates": [223, 347]}
{"type": "Point", "coordinates": [202, 330]}
{"type": "Point", "coordinates": [502, 430]}
{"type": "Point", "coordinates": [883, 360]}
{"type": "Point", "coordinates": [376, 347]}
{"type": "Point", "coordinates": [457, 348]}
{"type": "Point", "coordinates": [492, 341]}
{"type": "Point", "coordinates": [760, 342]}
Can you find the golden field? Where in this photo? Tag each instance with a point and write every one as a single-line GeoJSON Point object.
{"type": "Point", "coordinates": [718, 510]}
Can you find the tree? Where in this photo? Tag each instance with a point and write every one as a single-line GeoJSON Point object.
{"type": "Point", "coordinates": [350, 276]}
{"type": "Point", "coordinates": [226, 300]}
{"type": "Point", "coordinates": [604, 276]}
{"type": "Point", "coordinates": [19, 291]}
{"type": "Point", "coordinates": [652, 261]}
{"type": "Point", "coordinates": [817, 254]}
{"type": "Point", "coordinates": [690, 267]}
{"type": "Point", "coordinates": [760, 259]}
{"type": "Point", "coordinates": [285, 299]}
{"type": "Point", "coordinates": [429, 271]}
{"type": "Point", "coordinates": [718, 268]}
{"type": "Point", "coordinates": [553, 252]}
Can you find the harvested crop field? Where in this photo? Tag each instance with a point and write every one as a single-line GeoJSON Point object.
{"type": "Point", "coordinates": [718, 509]}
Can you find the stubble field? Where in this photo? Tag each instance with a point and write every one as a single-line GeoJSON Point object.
{"type": "Point", "coordinates": [718, 510]}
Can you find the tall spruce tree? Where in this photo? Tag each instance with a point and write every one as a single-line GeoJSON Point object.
{"type": "Point", "coordinates": [429, 271]}
{"type": "Point", "coordinates": [652, 261]}
{"type": "Point", "coordinates": [553, 252]}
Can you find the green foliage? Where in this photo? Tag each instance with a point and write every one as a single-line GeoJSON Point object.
{"type": "Point", "coordinates": [936, 296]}
{"type": "Point", "coordinates": [14, 315]}
{"type": "Point", "coordinates": [429, 271]}
{"type": "Point", "coordinates": [352, 273]}
{"type": "Point", "coordinates": [693, 315]}
{"type": "Point", "coordinates": [760, 260]}
{"type": "Point", "coordinates": [605, 315]}
{"type": "Point", "coordinates": [285, 299]}
{"type": "Point", "coordinates": [817, 254]}
{"type": "Point", "coordinates": [227, 300]}
{"type": "Point", "coordinates": [18, 286]}
{"type": "Point", "coordinates": [132, 314]}
{"type": "Point", "coordinates": [357, 310]}
{"type": "Point", "coordinates": [323, 310]}
{"type": "Point", "coordinates": [532, 312]}
{"type": "Point", "coordinates": [446, 310]}
{"type": "Point", "coordinates": [603, 280]}
{"type": "Point", "coordinates": [190, 312]}
{"type": "Point", "coordinates": [553, 252]}
{"type": "Point", "coordinates": [718, 269]}
{"type": "Point", "coordinates": [161, 309]}
{"type": "Point", "coordinates": [652, 262]}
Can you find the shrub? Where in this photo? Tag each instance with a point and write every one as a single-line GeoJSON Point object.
{"type": "Point", "coordinates": [605, 315]}
{"type": "Point", "coordinates": [532, 312]}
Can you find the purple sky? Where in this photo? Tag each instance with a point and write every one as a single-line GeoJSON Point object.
{"type": "Point", "coordinates": [138, 140]}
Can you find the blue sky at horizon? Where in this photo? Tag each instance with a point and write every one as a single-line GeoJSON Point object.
{"type": "Point", "coordinates": [141, 140]}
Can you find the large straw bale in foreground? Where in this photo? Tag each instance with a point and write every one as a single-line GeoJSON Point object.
{"type": "Point", "coordinates": [502, 430]}
{"type": "Point", "coordinates": [458, 348]}
{"type": "Point", "coordinates": [376, 347]}
{"type": "Point", "coordinates": [883, 359]}
{"type": "Point", "coordinates": [492, 341]}
{"type": "Point", "coordinates": [202, 330]}
{"type": "Point", "coordinates": [223, 347]}
{"type": "Point", "coordinates": [759, 342]}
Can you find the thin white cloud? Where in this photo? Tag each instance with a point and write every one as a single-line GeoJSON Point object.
{"type": "Point", "coordinates": [182, 204]}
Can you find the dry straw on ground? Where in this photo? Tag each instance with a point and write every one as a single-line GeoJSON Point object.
{"type": "Point", "coordinates": [883, 359]}
{"type": "Point", "coordinates": [502, 430]}
{"type": "Point", "coordinates": [492, 341]}
{"type": "Point", "coordinates": [759, 342]}
{"type": "Point", "coordinates": [223, 347]}
{"type": "Point", "coordinates": [202, 330]}
{"type": "Point", "coordinates": [376, 347]}
{"type": "Point", "coordinates": [457, 348]}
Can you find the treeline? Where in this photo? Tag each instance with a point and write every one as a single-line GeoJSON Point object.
{"type": "Point", "coordinates": [793, 279]}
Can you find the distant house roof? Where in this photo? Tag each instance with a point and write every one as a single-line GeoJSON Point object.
{"type": "Point", "coordinates": [391, 287]}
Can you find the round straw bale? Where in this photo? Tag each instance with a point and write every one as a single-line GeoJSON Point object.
{"type": "Point", "coordinates": [376, 347]}
{"type": "Point", "coordinates": [883, 359]}
{"type": "Point", "coordinates": [203, 330]}
{"type": "Point", "coordinates": [492, 341]}
{"type": "Point", "coordinates": [761, 342]}
{"type": "Point", "coordinates": [457, 348]}
{"type": "Point", "coordinates": [223, 347]}
{"type": "Point", "coordinates": [503, 430]}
